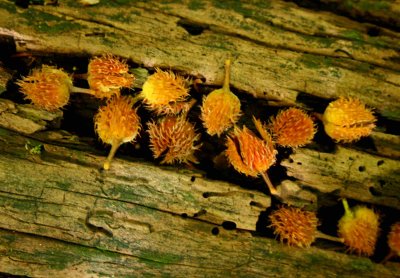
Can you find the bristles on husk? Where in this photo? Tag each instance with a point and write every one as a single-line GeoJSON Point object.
{"type": "Point", "coordinates": [47, 88]}
{"type": "Point", "coordinates": [117, 123]}
{"type": "Point", "coordinates": [107, 74]}
{"type": "Point", "coordinates": [347, 120]}
{"type": "Point", "coordinates": [221, 108]}
{"type": "Point", "coordinates": [292, 128]}
{"type": "Point", "coordinates": [294, 226]}
{"type": "Point", "coordinates": [220, 111]}
{"type": "Point", "coordinates": [359, 228]}
{"type": "Point", "coordinates": [394, 238]}
{"type": "Point", "coordinates": [173, 138]}
{"type": "Point", "coordinates": [162, 89]}
{"type": "Point", "coordinates": [247, 153]}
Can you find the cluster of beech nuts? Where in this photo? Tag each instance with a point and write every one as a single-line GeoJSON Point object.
{"type": "Point", "coordinates": [174, 139]}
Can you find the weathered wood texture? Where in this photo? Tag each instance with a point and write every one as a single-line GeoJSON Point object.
{"type": "Point", "coordinates": [138, 219]}
{"type": "Point", "coordinates": [61, 216]}
{"type": "Point", "coordinates": [279, 50]}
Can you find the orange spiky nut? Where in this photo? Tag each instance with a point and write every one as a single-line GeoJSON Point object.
{"type": "Point", "coordinates": [359, 228]}
{"type": "Point", "coordinates": [394, 238]}
{"type": "Point", "coordinates": [47, 88]}
{"type": "Point", "coordinates": [221, 108]}
{"type": "Point", "coordinates": [165, 92]}
{"type": "Point", "coordinates": [251, 155]}
{"type": "Point", "coordinates": [292, 128]}
{"type": "Point", "coordinates": [117, 123]}
{"type": "Point", "coordinates": [347, 120]}
{"type": "Point", "coordinates": [174, 138]}
{"type": "Point", "coordinates": [107, 74]}
{"type": "Point", "coordinates": [297, 227]}
{"type": "Point", "coordinates": [294, 226]}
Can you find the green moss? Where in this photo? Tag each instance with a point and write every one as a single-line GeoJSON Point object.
{"type": "Point", "coordinates": [24, 205]}
{"type": "Point", "coordinates": [8, 238]}
{"type": "Point", "coordinates": [352, 34]}
{"type": "Point", "coordinates": [363, 67]}
{"type": "Point", "coordinates": [310, 61]}
{"type": "Point", "coordinates": [246, 10]}
{"type": "Point", "coordinates": [158, 259]}
{"type": "Point", "coordinates": [196, 5]}
{"type": "Point", "coordinates": [367, 5]}
{"type": "Point", "coordinates": [64, 185]}
{"type": "Point", "coordinates": [4, 132]}
{"type": "Point", "coordinates": [361, 265]}
{"type": "Point", "coordinates": [119, 3]}
{"type": "Point", "coordinates": [48, 23]}
{"type": "Point", "coordinates": [8, 6]}
{"type": "Point", "coordinates": [317, 62]}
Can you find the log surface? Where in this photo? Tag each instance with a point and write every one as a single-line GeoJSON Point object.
{"type": "Point", "coordinates": [60, 215]}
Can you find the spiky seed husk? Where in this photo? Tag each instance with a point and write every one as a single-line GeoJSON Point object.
{"type": "Point", "coordinates": [107, 74]}
{"type": "Point", "coordinates": [174, 108]}
{"type": "Point", "coordinates": [394, 238]}
{"type": "Point", "coordinates": [294, 226]}
{"type": "Point", "coordinates": [247, 153]}
{"type": "Point", "coordinates": [47, 88]}
{"type": "Point", "coordinates": [292, 128]}
{"type": "Point", "coordinates": [174, 138]}
{"type": "Point", "coordinates": [347, 120]}
{"type": "Point", "coordinates": [359, 228]}
{"type": "Point", "coordinates": [162, 89]}
{"type": "Point", "coordinates": [221, 108]}
{"type": "Point", "coordinates": [117, 123]}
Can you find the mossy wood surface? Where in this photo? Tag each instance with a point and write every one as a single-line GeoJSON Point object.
{"type": "Point", "coordinates": [60, 215]}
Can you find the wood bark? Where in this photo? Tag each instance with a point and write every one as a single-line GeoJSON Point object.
{"type": "Point", "coordinates": [61, 215]}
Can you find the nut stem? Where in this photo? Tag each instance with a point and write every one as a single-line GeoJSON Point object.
{"type": "Point", "coordinates": [74, 89]}
{"type": "Point", "coordinates": [328, 237]}
{"type": "Point", "coordinates": [114, 148]}
{"type": "Point", "coordinates": [271, 187]}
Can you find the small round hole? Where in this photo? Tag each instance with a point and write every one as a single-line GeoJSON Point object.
{"type": "Point", "coordinates": [380, 162]}
{"type": "Point", "coordinates": [193, 178]}
{"type": "Point", "coordinates": [215, 231]}
{"type": "Point", "coordinates": [361, 168]}
{"type": "Point", "coordinates": [374, 192]}
{"type": "Point", "coordinates": [291, 160]}
{"type": "Point", "coordinates": [206, 194]}
{"type": "Point", "coordinates": [184, 215]}
{"type": "Point", "coordinates": [299, 163]}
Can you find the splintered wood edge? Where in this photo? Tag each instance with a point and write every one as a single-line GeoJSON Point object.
{"type": "Point", "coordinates": [348, 173]}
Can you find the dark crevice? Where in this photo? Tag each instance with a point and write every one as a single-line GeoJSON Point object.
{"type": "Point", "coordinates": [192, 27]}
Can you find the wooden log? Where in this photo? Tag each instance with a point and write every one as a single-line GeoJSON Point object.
{"type": "Point", "coordinates": [280, 51]}
{"type": "Point", "coordinates": [65, 217]}
{"type": "Point", "coordinates": [348, 173]}
{"type": "Point", "coordinates": [60, 215]}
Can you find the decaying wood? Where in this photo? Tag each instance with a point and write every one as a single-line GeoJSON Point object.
{"type": "Point", "coordinates": [131, 221]}
{"type": "Point", "coordinates": [348, 173]}
{"type": "Point", "coordinates": [280, 50]}
{"type": "Point", "coordinates": [386, 12]}
{"type": "Point", "coordinates": [27, 119]}
{"type": "Point", "coordinates": [60, 215]}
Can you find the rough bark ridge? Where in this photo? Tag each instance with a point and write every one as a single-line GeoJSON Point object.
{"type": "Point", "coordinates": [60, 215]}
